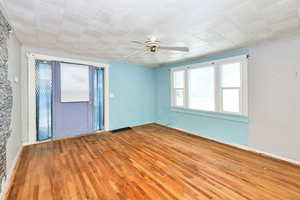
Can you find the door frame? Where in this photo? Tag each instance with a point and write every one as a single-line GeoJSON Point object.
{"type": "Point", "coordinates": [32, 57]}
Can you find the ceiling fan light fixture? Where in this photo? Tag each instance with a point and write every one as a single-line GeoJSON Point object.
{"type": "Point", "coordinates": [153, 49]}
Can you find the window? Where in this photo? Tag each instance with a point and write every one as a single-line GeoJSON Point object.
{"type": "Point", "coordinates": [230, 87]}
{"type": "Point", "coordinates": [179, 92]}
{"type": "Point", "coordinates": [74, 82]}
{"type": "Point", "coordinates": [219, 86]}
{"type": "Point", "coordinates": [202, 88]}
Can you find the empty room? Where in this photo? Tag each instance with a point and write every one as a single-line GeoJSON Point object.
{"type": "Point", "coordinates": [149, 100]}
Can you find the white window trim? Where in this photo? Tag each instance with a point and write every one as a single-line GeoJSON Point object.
{"type": "Point", "coordinates": [31, 118]}
{"type": "Point", "coordinates": [218, 89]}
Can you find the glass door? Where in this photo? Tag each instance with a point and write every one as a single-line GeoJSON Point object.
{"type": "Point", "coordinates": [69, 99]}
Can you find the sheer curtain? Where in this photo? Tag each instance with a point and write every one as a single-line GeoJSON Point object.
{"type": "Point", "coordinates": [44, 100]}
{"type": "Point", "coordinates": [98, 81]}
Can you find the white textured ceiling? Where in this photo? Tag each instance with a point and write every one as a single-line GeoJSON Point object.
{"type": "Point", "coordinates": [105, 28]}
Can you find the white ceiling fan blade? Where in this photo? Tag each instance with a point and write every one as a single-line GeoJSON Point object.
{"type": "Point", "coordinates": [185, 49]}
{"type": "Point", "coordinates": [132, 54]}
{"type": "Point", "coordinates": [135, 53]}
{"type": "Point", "coordinates": [137, 42]}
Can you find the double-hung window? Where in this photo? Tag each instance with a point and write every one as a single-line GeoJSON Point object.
{"type": "Point", "coordinates": [218, 86]}
{"type": "Point", "coordinates": [178, 88]}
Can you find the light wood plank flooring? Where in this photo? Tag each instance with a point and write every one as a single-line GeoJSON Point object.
{"type": "Point", "coordinates": [150, 162]}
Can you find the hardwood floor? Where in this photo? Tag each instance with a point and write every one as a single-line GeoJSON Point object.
{"type": "Point", "coordinates": [150, 162]}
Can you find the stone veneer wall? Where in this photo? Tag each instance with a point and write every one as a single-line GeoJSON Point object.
{"type": "Point", "coordinates": [6, 99]}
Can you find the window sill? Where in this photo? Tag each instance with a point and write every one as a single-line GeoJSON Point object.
{"type": "Point", "coordinates": [210, 114]}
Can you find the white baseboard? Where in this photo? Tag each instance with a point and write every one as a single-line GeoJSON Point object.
{"type": "Point", "coordinates": [247, 148]}
{"type": "Point", "coordinates": [10, 172]}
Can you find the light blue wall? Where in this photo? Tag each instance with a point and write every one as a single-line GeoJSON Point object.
{"type": "Point", "coordinates": [224, 128]}
{"type": "Point", "coordinates": [142, 95]}
{"type": "Point", "coordinates": [134, 96]}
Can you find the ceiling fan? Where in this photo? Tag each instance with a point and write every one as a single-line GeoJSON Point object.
{"type": "Point", "coordinates": [153, 45]}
